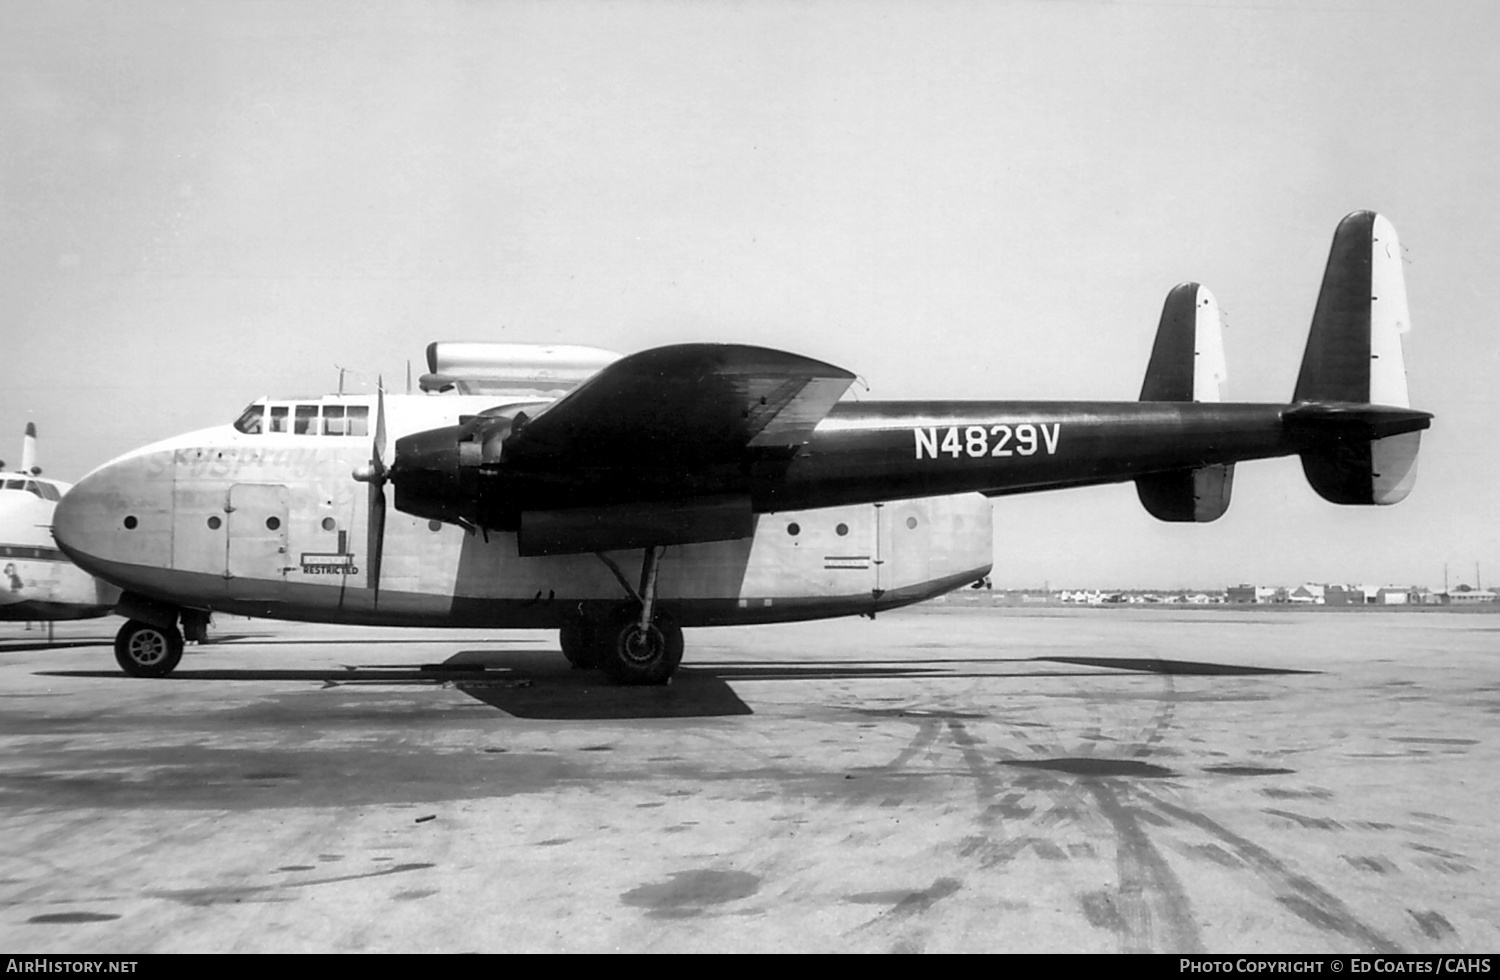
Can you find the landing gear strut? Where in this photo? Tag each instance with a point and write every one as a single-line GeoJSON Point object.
{"type": "Point", "coordinates": [145, 650]}
{"type": "Point", "coordinates": [638, 643]}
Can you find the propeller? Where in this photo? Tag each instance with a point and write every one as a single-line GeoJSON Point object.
{"type": "Point", "coordinates": [375, 473]}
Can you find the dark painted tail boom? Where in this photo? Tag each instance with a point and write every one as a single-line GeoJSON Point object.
{"type": "Point", "coordinates": [1349, 421]}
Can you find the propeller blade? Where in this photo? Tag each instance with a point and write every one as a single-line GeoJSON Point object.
{"type": "Point", "coordinates": [375, 545]}
{"type": "Point", "coordinates": [377, 461]}
{"type": "Point", "coordinates": [376, 474]}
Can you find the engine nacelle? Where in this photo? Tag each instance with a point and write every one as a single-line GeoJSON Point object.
{"type": "Point", "coordinates": [447, 474]}
{"type": "Point", "coordinates": [460, 474]}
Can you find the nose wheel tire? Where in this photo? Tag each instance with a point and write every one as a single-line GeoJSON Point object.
{"type": "Point", "coordinates": [144, 650]}
{"type": "Point", "coordinates": [637, 657]}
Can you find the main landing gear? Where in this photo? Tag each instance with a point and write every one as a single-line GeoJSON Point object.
{"type": "Point", "coordinates": [637, 643]}
{"type": "Point", "coordinates": [146, 650]}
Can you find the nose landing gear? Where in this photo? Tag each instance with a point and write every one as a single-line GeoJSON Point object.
{"type": "Point", "coordinates": [145, 650]}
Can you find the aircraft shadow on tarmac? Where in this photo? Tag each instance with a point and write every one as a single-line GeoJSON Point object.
{"type": "Point", "coordinates": [33, 646]}
{"type": "Point", "coordinates": [539, 684]}
{"type": "Point", "coordinates": [1154, 665]}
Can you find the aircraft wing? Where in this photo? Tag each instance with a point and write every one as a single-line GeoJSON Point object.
{"type": "Point", "coordinates": [682, 405]}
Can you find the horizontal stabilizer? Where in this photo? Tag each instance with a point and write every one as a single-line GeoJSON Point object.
{"type": "Point", "coordinates": [1318, 423]}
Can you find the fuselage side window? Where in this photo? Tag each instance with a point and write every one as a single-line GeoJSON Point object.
{"type": "Point", "coordinates": [249, 421]}
{"type": "Point", "coordinates": [359, 420]}
{"type": "Point", "coordinates": [278, 418]}
{"type": "Point", "coordinates": [306, 421]}
{"type": "Point", "coordinates": [333, 421]}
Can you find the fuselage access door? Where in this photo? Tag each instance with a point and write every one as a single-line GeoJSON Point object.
{"type": "Point", "coordinates": [256, 560]}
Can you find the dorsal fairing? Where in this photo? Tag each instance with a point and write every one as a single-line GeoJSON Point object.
{"type": "Point", "coordinates": [481, 368]}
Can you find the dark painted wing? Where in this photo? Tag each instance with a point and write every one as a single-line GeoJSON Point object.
{"type": "Point", "coordinates": [689, 403]}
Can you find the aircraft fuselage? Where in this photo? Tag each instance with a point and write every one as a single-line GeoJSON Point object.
{"type": "Point", "coordinates": [271, 524]}
{"type": "Point", "coordinates": [37, 581]}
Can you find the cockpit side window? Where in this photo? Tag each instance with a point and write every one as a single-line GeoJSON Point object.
{"type": "Point", "coordinates": [249, 421]}
{"type": "Point", "coordinates": [333, 420]}
{"type": "Point", "coordinates": [15, 484]}
{"type": "Point", "coordinates": [33, 488]}
{"type": "Point", "coordinates": [359, 420]}
{"type": "Point", "coordinates": [50, 492]}
{"type": "Point", "coordinates": [306, 421]}
{"type": "Point", "coordinates": [278, 419]}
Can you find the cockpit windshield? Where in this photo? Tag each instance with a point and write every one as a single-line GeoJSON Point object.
{"type": "Point", "coordinates": [249, 420]}
{"type": "Point", "coordinates": [37, 488]}
{"type": "Point", "coordinates": [305, 419]}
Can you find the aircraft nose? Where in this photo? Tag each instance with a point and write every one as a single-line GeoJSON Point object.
{"type": "Point", "coordinates": [118, 517]}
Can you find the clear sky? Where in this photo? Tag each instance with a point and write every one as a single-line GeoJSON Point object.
{"type": "Point", "coordinates": [208, 202]}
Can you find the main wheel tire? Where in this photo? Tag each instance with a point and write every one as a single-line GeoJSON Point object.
{"type": "Point", "coordinates": [580, 644]}
{"type": "Point", "coordinates": [637, 657]}
{"type": "Point", "coordinates": [144, 650]}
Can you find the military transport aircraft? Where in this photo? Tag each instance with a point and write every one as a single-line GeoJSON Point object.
{"type": "Point", "coordinates": [39, 583]}
{"type": "Point", "coordinates": [620, 499]}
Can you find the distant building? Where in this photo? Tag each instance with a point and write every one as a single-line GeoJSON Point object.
{"type": "Point", "coordinates": [1343, 595]}
{"type": "Point", "coordinates": [1399, 595]}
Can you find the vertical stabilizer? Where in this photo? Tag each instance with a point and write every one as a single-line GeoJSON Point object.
{"type": "Point", "coordinates": [1354, 348]}
{"type": "Point", "coordinates": [1354, 355]}
{"type": "Point", "coordinates": [1187, 359]}
{"type": "Point", "coordinates": [28, 451]}
{"type": "Point", "coordinates": [1187, 365]}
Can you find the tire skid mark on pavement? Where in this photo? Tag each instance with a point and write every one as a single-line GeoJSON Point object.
{"type": "Point", "coordinates": [1149, 893]}
{"type": "Point", "coordinates": [1149, 909]}
{"type": "Point", "coordinates": [1297, 893]}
